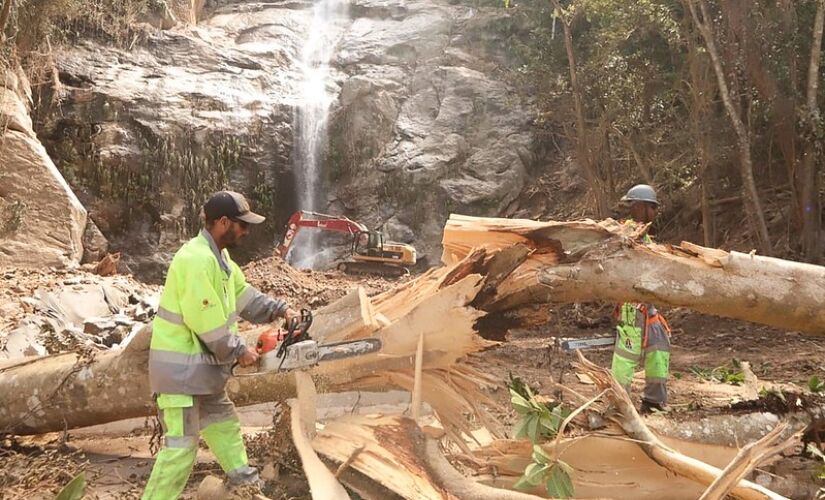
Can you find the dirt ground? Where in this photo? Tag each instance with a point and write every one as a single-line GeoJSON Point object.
{"type": "Point", "coordinates": [117, 463]}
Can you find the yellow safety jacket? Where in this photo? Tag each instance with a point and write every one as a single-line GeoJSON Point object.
{"type": "Point", "coordinates": [195, 333]}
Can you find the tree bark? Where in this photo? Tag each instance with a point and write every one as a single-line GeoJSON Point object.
{"type": "Point", "coordinates": [586, 261]}
{"type": "Point", "coordinates": [753, 205]}
{"type": "Point", "coordinates": [67, 391]}
{"type": "Point", "coordinates": [810, 172]}
{"type": "Point", "coordinates": [699, 95]}
{"type": "Point", "coordinates": [583, 151]}
{"type": "Point", "coordinates": [4, 17]}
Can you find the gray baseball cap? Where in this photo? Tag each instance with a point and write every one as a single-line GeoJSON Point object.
{"type": "Point", "coordinates": [230, 204]}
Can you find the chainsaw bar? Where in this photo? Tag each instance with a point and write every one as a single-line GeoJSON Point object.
{"type": "Point", "coordinates": [570, 345]}
{"type": "Point", "coordinates": [348, 349]}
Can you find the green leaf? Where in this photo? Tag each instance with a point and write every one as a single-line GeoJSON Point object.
{"type": "Point", "coordinates": [534, 473]}
{"type": "Point", "coordinates": [521, 405]}
{"type": "Point", "coordinates": [74, 490]}
{"type": "Point", "coordinates": [533, 428]}
{"type": "Point", "coordinates": [520, 429]}
{"type": "Point", "coordinates": [540, 456]}
{"type": "Point", "coordinates": [559, 484]}
{"type": "Point", "coordinates": [815, 384]}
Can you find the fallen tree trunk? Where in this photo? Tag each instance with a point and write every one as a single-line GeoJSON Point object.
{"type": "Point", "coordinates": [590, 261]}
{"type": "Point", "coordinates": [72, 390]}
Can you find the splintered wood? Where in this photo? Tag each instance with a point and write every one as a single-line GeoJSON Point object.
{"type": "Point", "coordinates": [604, 261]}
{"type": "Point", "coordinates": [429, 331]}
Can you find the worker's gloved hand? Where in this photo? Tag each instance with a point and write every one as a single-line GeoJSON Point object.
{"type": "Point", "coordinates": [291, 313]}
{"type": "Point", "coordinates": [248, 358]}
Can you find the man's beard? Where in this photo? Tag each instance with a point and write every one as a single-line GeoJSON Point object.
{"type": "Point", "coordinates": [231, 239]}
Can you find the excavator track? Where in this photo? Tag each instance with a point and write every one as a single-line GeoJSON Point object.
{"type": "Point", "coordinates": [373, 268]}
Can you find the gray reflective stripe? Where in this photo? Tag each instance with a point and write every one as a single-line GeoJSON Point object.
{"type": "Point", "coordinates": [180, 358]}
{"type": "Point", "coordinates": [167, 315]}
{"type": "Point", "coordinates": [181, 378]}
{"type": "Point", "coordinates": [622, 353]}
{"type": "Point", "coordinates": [214, 335]}
{"type": "Point", "coordinates": [658, 348]}
{"type": "Point", "coordinates": [655, 380]}
{"type": "Point", "coordinates": [246, 297]}
{"type": "Point", "coordinates": [180, 441]}
{"type": "Point", "coordinates": [233, 318]}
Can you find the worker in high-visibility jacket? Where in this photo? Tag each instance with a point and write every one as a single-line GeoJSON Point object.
{"type": "Point", "coordinates": [195, 343]}
{"type": "Point", "coordinates": [642, 334]}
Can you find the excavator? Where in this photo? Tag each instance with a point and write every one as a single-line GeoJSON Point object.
{"type": "Point", "coordinates": [370, 254]}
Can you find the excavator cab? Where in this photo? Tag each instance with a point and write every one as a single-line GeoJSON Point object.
{"type": "Point", "coordinates": [368, 243]}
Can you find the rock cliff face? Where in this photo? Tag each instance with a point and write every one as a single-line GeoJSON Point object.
{"type": "Point", "coordinates": [423, 125]}
{"type": "Point", "coordinates": [41, 221]}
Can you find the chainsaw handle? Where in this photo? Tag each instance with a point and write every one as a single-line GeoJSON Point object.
{"type": "Point", "coordinates": [297, 331]}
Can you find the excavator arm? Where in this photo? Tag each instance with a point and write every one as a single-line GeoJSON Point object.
{"type": "Point", "coordinates": [302, 219]}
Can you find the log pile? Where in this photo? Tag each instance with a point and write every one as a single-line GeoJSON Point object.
{"type": "Point", "coordinates": [429, 330]}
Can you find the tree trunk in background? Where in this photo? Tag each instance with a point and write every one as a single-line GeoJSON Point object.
{"type": "Point", "coordinates": [782, 103]}
{"type": "Point", "coordinates": [810, 171]}
{"type": "Point", "coordinates": [700, 90]}
{"type": "Point", "coordinates": [750, 195]}
{"type": "Point", "coordinates": [644, 170]}
{"type": "Point", "coordinates": [4, 17]}
{"type": "Point", "coordinates": [583, 153]}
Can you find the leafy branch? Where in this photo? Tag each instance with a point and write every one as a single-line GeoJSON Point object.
{"type": "Point", "coordinates": [541, 422]}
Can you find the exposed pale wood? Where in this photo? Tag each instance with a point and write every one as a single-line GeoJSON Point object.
{"type": "Point", "coordinates": [347, 317]}
{"type": "Point", "coordinates": [667, 457]}
{"type": "Point", "coordinates": [461, 486]}
{"type": "Point", "coordinates": [452, 393]}
{"type": "Point", "coordinates": [602, 261]}
{"type": "Point", "coordinates": [748, 458]}
{"type": "Point", "coordinates": [416, 393]}
{"type": "Point", "coordinates": [323, 484]}
{"type": "Point", "coordinates": [58, 392]}
{"type": "Point", "coordinates": [389, 456]}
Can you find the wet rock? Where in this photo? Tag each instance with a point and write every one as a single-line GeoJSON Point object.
{"type": "Point", "coordinates": [214, 100]}
{"type": "Point", "coordinates": [438, 131]}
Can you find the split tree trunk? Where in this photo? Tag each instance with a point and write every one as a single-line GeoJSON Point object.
{"type": "Point", "coordinates": [68, 391]}
{"type": "Point", "coordinates": [589, 261]}
{"type": "Point", "coordinates": [524, 262]}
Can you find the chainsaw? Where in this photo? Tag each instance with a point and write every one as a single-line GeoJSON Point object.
{"type": "Point", "coordinates": [293, 348]}
{"type": "Point", "coordinates": [570, 345]}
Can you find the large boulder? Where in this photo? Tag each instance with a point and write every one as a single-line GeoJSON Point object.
{"type": "Point", "coordinates": [41, 220]}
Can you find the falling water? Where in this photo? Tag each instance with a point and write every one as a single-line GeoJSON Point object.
{"type": "Point", "coordinates": [311, 114]}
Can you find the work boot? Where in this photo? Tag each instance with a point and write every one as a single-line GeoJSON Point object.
{"type": "Point", "coordinates": [649, 407]}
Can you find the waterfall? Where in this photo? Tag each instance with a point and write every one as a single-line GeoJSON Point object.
{"type": "Point", "coordinates": [316, 94]}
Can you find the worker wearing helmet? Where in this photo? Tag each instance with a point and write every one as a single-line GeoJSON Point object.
{"type": "Point", "coordinates": [194, 344]}
{"type": "Point", "coordinates": [642, 334]}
